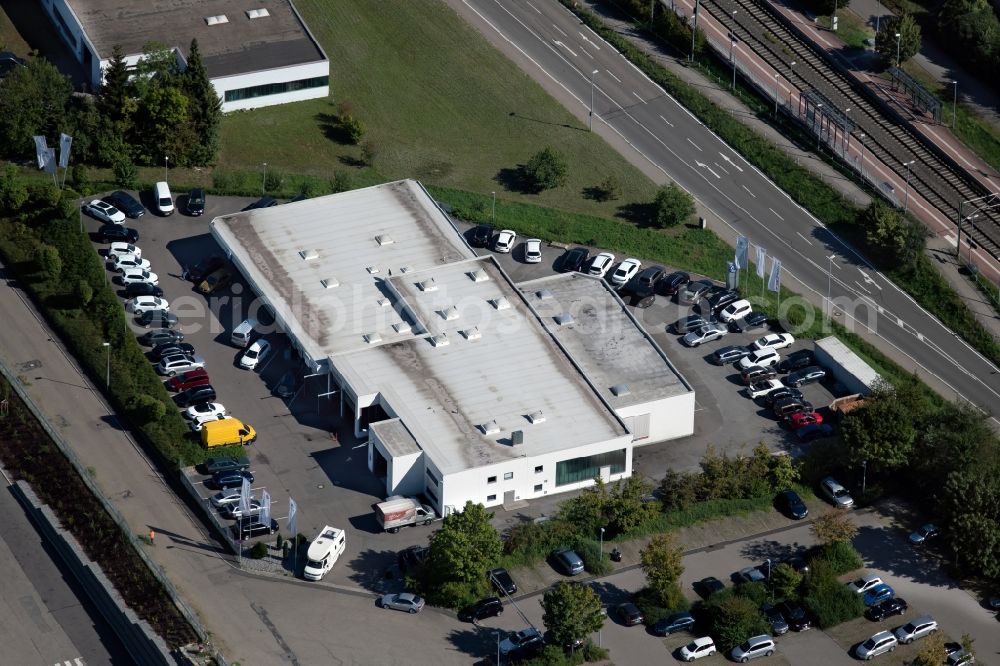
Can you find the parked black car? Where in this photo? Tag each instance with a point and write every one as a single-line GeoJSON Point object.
{"type": "Point", "coordinates": [288, 385]}
{"type": "Point", "coordinates": [886, 609]}
{"type": "Point", "coordinates": [650, 276]}
{"type": "Point", "coordinates": [729, 354]}
{"type": "Point", "coordinates": [574, 259]}
{"type": "Point", "coordinates": [694, 291]}
{"type": "Point", "coordinates": [797, 563]}
{"type": "Point", "coordinates": [488, 607]}
{"type": "Point", "coordinates": [708, 586]}
{"type": "Point", "coordinates": [411, 558]}
{"type": "Point", "coordinates": [251, 526]}
{"type": "Point", "coordinates": [157, 318]}
{"type": "Point", "coordinates": [752, 322]}
{"type": "Point", "coordinates": [168, 348]}
{"type": "Point", "coordinates": [204, 268]}
{"type": "Point", "coordinates": [809, 375]}
{"type": "Point", "coordinates": [263, 202]}
{"type": "Point", "coordinates": [226, 464]}
{"type": "Point", "coordinates": [112, 233]}
{"type": "Point", "coordinates": [142, 289]}
{"type": "Point", "coordinates": [628, 614]}
{"type": "Point", "coordinates": [780, 394]}
{"type": "Point", "coordinates": [481, 235]}
{"type": "Point", "coordinates": [723, 298]}
{"type": "Point", "coordinates": [795, 615]}
{"type": "Point", "coordinates": [502, 581]}
{"type": "Point", "coordinates": [788, 406]}
{"type": "Point", "coordinates": [637, 295]}
{"type": "Point", "coordinates": [797, 360]}
{"type": "Point", "coordinates": [9, 62]}
{"type": "Point", "coordinates": [229, 479]}
{"type": "Point", "coordinates": [126, 203]}
{"type": "Point", "coordinates": [672, 624]}
{"type": "Point", "coordinates": [775, 619]}
{"type": "Point", "coordinates": [196, 202]}
{"type": "Point", "coordinates": [195, 396]}
{"type": "Point", "coordinates": [757, 373]}
{"type": "Point", "coordinates": [671, 284]}
{"type": "Point", "coordinates": [791, 504]}
{"type": "Point", "coordinates": [160, 336]}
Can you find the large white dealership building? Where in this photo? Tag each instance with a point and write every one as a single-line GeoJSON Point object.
{"type": "Point", "coordinates": [466, 385]}
{"type": "Point", "coordinates": [256, 53]}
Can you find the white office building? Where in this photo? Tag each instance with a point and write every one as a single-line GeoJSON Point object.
{"type": "Point", "coordinates": [256, 54]}
{"type": "Point", "coordinates": [466, 386]}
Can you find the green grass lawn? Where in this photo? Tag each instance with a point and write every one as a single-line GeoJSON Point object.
{"type": "Point", "coordinates": [440, 104]}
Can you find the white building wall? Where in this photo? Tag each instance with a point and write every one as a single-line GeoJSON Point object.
{"type": "Point", "coordinates": [525, 482]}
{"type": "Point", "coordinates": [68, 27]}
{"type": "Point", "coordinates": [669, 418]}
{"type": "Point", "coordinates": [265, 77]}
{"type": "Point", "coordinates": [404, 474]}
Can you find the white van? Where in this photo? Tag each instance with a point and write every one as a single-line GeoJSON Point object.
{"type": "Point", "coordinates": [323, 552]}
{"type": "Point", "coordinates": [164, 202]}
{"type": "Point", "coordinates": [244, 333]}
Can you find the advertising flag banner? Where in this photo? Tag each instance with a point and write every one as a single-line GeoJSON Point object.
{"type": "Point", "coordinates": [245, 497]}
{"type": "Point", "coordinates": [293, 510]}
{"type": "Point", "coordinates": [50, 160]}
{"type": "Point", "coordinates": [265, 507]}
{"type": "Point", "coordinates": [742, 247]}
{"type": "Point", "coordinates": [40, 147]}
{"type": "Point", "coordinates": [774, 283]}
{"type": "Point", "coordinates": [761, 254]}
{"type": "Point", "coordinates": [65, 143]}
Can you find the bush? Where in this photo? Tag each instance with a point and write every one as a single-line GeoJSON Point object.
{"type": "Point", "coordinates": [827, 599]}
{"type": "Point", "coordinates": [545, 170]}
{"type": "Point", "coordinates": [126, 175]}
{"type": "Point", "coordinates": [593, 561]}
{"type": "Point", "coordinates": [259, 550]}
{"type": "Point", "coordinates": [841, 556]}
{"type": "Point", "coordinates": [733, 618]}
{"type": "Point", "coordinates": [672, 206]}
{"type": "Point", "coordinates": [353, 128]}
{"type": "Point", "coordinates": [653, 609]}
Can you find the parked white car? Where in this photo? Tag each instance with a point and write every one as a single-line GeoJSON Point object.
{"type": "Point", "coordinates": [171, 365]}
{"type": "Point", "coordinates": [737, 310]}
{"type": "Point", "coordinates": [880, 643]}
{"type": "Point", "coordinates": [763, 387]}
{"type": "Point", "coordinates": [698, 648]}
{"type": "Point", "coordinates": [141, 304]}
{"type": "Point", "coordinates": [774, 341]}
{"type": "Point", "coordinates": [762, 357]}
{"type": "Point", "coordinates": [197, 424]}
{"type": "Point", "coordinates": [124, 262]}
{"type": "Point", "coordinates": [864, 583]}
{"type": "Point", "coordinates": [103, 211]}
{"type": "Point", "coordinates": [133, 275]}
{"type": "Point", "coordinates": [226, 497]}
{"type": "Point", "coordinates": [704, 334]}
{"type": "Point", "coordinates": [533, 250]}
{"type": "Point", "coordinates": [256, 353]}
{"type": "Point", "coordinates": [911, 631]}
{"type": "Point", "coordinates": [625, 271]}
{"type": "Point", "coordinates": [209, 410]}
{"type": "Point", "coordinates": [600, 264]}
{"type": "Point", "coordinates": [505, 241]}
{"type": "Point", "coordinates": [118, 249]}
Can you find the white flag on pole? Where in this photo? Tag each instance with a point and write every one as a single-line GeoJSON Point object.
{"type": "Point", "coordinates": [742, 246]}
{"type": "Point", "coordinates": [50, 160]}
{"type": "Point", "coordinates": [40, 148]}
{"type": "Point", "coordinates": [265, 507]}
{"type": "Point", "coordinates": [245, 497]}
{"type": "Point", "coordinates": [774, 283]}
{"type": "Point", "coordinates": [761, 254]}
{"type": "Point", "coordinates": [65, 142]}
{"type": "Point", "coordinates": [293, 511]}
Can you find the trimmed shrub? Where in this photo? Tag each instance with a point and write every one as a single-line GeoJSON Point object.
{"type": "Point", "coordinates": [841, 556]}
{"type": "Point", "coordinates": [827, 599]}
{"type": "Point", "coordinates": [259, 550]}
{"type": "Point", "coordinates": [593, 562]}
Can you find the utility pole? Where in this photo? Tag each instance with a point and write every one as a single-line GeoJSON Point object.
{"type": "Point", "coordinates": [694, 28]}
{"type": "Point", "coordinates": [591, 100]}
{"type": "Point", "coordinates": [954, 104]}
{"type": "Point", "coordinates": [732, 46]}
{"type": "Point", "coordinates": [906, 196]}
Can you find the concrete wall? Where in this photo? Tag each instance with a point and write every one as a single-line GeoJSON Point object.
{"type": "Point", "coordinates": [669, 418]}
{"type": "Point", "coordinates": [136, 635]}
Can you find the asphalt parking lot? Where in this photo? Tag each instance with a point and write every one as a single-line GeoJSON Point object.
{"type": "Point", "coordinates": [304, 451]}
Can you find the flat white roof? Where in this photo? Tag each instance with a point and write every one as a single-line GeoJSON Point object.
{"type": "Point", "coordinates": [499, 371]}
{"type": "Point", "coordinates": [320, 262]}
{"type": "Point", "coordinates": [616, 353]}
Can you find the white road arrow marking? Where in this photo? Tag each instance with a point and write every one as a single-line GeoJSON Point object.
{"type": "Point", "coordinates": [709, 169]}
{"type": "Point", "coordinates": [869, 280]}
{"type": "Point", "coordinates": [558, 43]}
{"type": "Point", "coordinates": [589, 42]}
{"type": "Point", "coordinates": [731, 162]}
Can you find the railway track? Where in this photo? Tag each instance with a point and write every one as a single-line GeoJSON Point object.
{"type": "Point", "coordinates": [933, 176]}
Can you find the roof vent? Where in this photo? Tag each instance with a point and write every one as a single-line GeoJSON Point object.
{"type": "Point", "coordinates": [478, 275]}
{"type": "Point", "coordinates": [401, 327]}
{"type": "Point", "coordinates": [450, 313]}
{"type": "Point", "coordinates": [620, 390]}
{"type": "Point", "coordinates": [383, 302]}
{"type": "Point", "coordinates": [564, 319]}
{"type": "Point", "coordinates": [536, 417]}
{"type": "Point", "coordinates": [216, 20]}
{"type": "Point", "coordinates": [405, 269]}
{"type": "Point", "coordinates": [372, 338]}
{"type": "Point", "coordinates": [384, 239]}
{"type": "Point", "coordinates": [440, 340]}
{"type": "Point", "coordinates": [489, 428]}
{"type": "Point", "coordinates": [309, 255]}
{"type": "Point", "coordinates": [472, 333]}
{"type": "Point", "coordinates": [500, 303]}
{"type": "Point", "coordinates": [544, 294]}
{"type": "Point", "coordinates": [330, 283]}
{"type": "Point", "coordinates": [517, 438]}
{"type": "Point", "coordinates": [428, 285]}
{"type": "Point", "coordinates": [257, 13]}
{"type": "Point", "coordinates": [372, 270]}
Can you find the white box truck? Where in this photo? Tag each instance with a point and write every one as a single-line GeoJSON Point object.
{"type": "Point", "coordinates": [399, 511]}
{"type": "Point", "coordinates": [323, 552]}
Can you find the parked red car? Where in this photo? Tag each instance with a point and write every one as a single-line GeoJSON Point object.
{"type": "Point", "coordinates": [189, 379]}
{"type": "Point", "coordinates": [799, 419]}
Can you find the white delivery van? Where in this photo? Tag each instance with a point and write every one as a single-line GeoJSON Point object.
{"type": "Point", "coordinates": [243, 334]}
{"type": "Point", "coordinates": [323, 552]}
{"type": "Point", "coordinates": [164, 201]}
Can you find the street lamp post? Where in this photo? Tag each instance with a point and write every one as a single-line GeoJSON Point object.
{"type": "Point", "coordinates": [819, 125]}
{"type": "Point", "coordinates": [898, 35]}
{"type": "Point", "coordinates": [864, 477]}
{"type": "Point", "coordinates": [592, 99]}
{"type": "Point", "coordinates": [694, 28]}
{"type": "Point", "coordinates": [791, 85]}
{"type": "Point", "coordinates": [494, 209]}
{"type": "Point", "coordinates": [954, 104]}
{"type": "Point", "coordinates": [861, 142]}
{"type": "Point", "coordinates": [107, 374]}
{"type": "Point", "coordinates": [498, 647]}
{"type": "Point", "coordinates": [263, 180]}
{"type": "Point", "coordinates": [776, 77]}
{"type": "Point", "coordinates": [906, 195]}
{"type": "Point", "coordinates": [602, 543]}
{"type": "Point", "coordinates": [829, 281]}
{"type": "Point", "coordinates": [732, 46]}
{"type": "Point", "coordinates": [847, 132]}
{"type": "Point", "coordinates": [971, 220]}
{"type": "Point", "coordinates": [878, 16]}
{"type": "Point", "coordinates": [166, 166]}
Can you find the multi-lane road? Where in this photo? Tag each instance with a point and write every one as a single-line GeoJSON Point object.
{"type": "Point", "coordinates": [638, 117]}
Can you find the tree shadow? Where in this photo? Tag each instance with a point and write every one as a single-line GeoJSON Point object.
{"type": "Point", "coordinates": [515, 180]}
{"type": "Point", "coordinates": [766, 549]}
{"type": "Point", "coordinates": [596, 193]}
{"type": "Point", "coordinates": [351, 161]}
{"type": "Point", "coordinates": [333, 128]}
{"type": "Point", "coordinates": [478, 642]}
{"type": "Point", "coordinates": [639, 214]}
{"type": "Point", "coordinates": [376, 570]}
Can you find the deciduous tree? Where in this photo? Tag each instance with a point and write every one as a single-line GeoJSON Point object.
{"type": "Point", "coordinates": [672, 206]}
{"type": "Point", "coordinates": [33, 100]}
{"type": "Point", "coordinates": [909, 38]}
{"type": "Point", "coordinates": [545, 170]}
{"type": "Point", "coordinates": [733, 619]}
{"type": "Point", "coordinates": [572, 612]}
{"type": "Point", "coordinates": [662, 562]}
{"type": "Point", "coordinates": [834, 526]}
{"type": "Point", "coordinates": [461, 552]}
{"type": "Point", "coordinates": [785, 581]}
